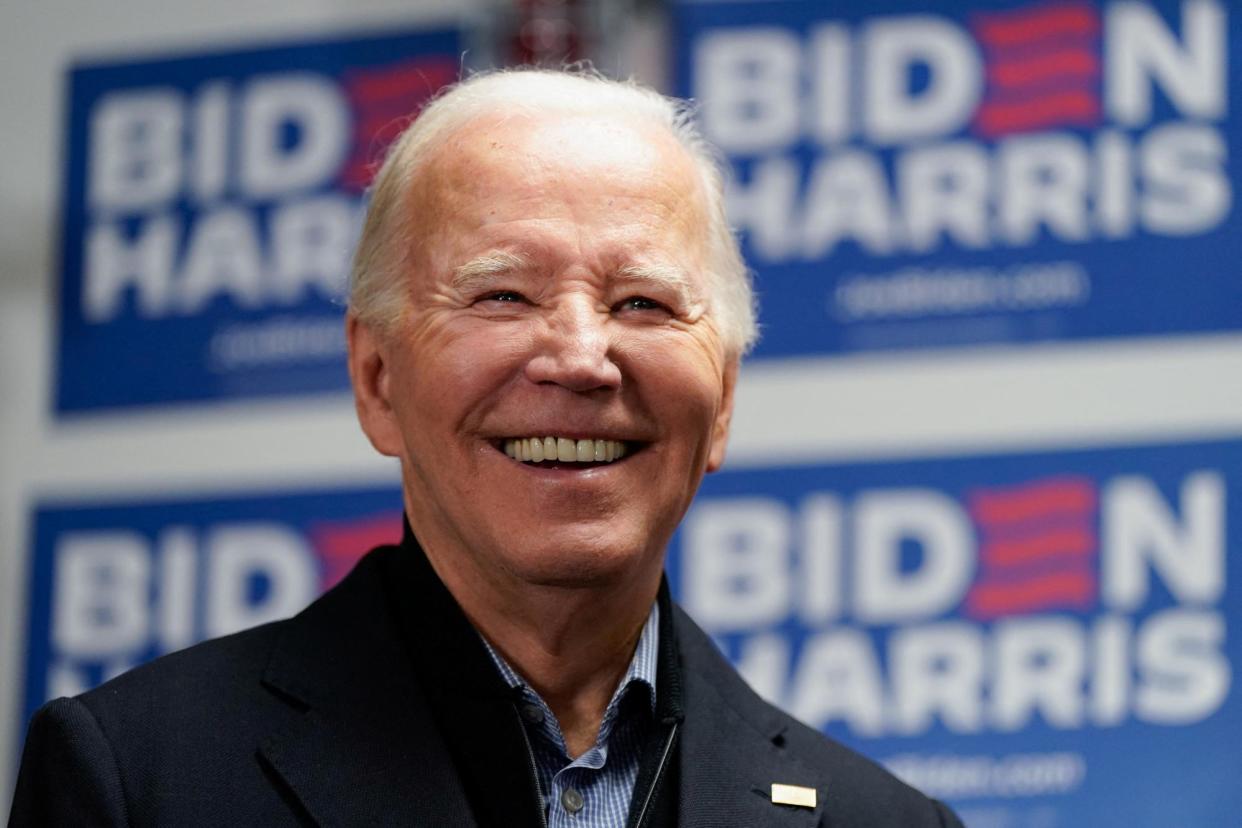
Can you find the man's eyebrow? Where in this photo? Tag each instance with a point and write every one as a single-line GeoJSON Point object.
{"type": "Point", "coordinates": [481, 271]}
{"type": "Point", "coordinates": [666, 277]}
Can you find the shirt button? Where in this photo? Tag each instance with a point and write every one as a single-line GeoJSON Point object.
{"type": "Point", "coordinates": [571, 800]}
{"type": "Point", "coordinates": [532, 713]}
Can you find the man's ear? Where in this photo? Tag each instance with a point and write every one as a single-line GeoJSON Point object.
{"type": "Point", "coordinates": [369, 375]}
{"type": "Point", "coordinates": [720, 428]}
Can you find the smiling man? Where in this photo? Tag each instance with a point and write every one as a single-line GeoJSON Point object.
{"type": "Point", "coordinates": [547, 314]}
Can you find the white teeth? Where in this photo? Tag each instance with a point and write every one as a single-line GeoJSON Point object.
{"type": "Point", "coordinates": [564, 450]}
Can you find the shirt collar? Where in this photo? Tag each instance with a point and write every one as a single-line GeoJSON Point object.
{"type": "Point", "coordinates": [642, 669]}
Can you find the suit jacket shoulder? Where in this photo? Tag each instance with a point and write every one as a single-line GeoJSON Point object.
{"type": "Point", "coordinates": [164, 739]}
{"type": "Point", "coordinates": [315, 719]}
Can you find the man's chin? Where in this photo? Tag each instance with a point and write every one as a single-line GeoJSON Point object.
{"type": "Point", "coordinates": [580, 568]}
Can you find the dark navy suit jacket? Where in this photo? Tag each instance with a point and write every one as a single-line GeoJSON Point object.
{"type": "Point", "coordinates": [377, 705]}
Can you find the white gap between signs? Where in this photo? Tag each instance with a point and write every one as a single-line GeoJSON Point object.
{"type": "Point", "coordinates": [810, 411]}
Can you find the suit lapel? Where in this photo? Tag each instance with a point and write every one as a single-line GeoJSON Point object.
{"type": "Point", "coordinates": [376, 774]}
{"type": "Point", "coordinates": [731, 748]}
{"type": "Point", "coordinates": [471, 704]}
{"type": "Point", "coordinates": [366, 749]}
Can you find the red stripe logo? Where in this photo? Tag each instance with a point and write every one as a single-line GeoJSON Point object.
{"type": "Point", "coordinates": [1042, 68]}
{"type": "Point", "coordinates": [384, 102]}
{"type": "Point", "coordinates": [1038, 547]}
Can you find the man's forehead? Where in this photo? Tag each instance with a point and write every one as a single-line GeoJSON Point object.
{"type": "Point", "coordinates": [500, 152]}
{"type": "Point", "coordinates": [583, 139]}
{"type": "Point", "coordinates": [491, 168]}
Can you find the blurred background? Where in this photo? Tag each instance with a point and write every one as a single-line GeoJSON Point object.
{"type": "Point", "coordinates": [982, 509]}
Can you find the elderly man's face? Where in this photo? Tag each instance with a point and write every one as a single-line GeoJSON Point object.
{"type": "Point", "coordinates": [558, 291]}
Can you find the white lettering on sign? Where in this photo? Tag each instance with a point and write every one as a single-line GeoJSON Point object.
{"type": "Point", "coordinates": [749, 88]}
{"type": "Point", "coordinates": [1140, 534]}
{"type": "Point", "coordinates": [944, 190]}
{"type": "Point", "coordinates": [1040, 666]}
{"type": "Point", "coordinates": [307, 249]}
{"type": "Point", "coordinates": [750, 83]}
{"type": "Point", "coordinates": [99, 596]}
{"type": "Point", "coordinates": [135, 141]}
{"type": "Point", "coordinates": [1143, 54]}
{"type": "Point", "coordinates": [222, 259]}
{"type": "Point", "coordinates": [1172, 182]}
{"type": "Point", "coordinates": [115, 264]}
{"type": "Point", "coordinates": [237, 556]}
{"type": "Point", "coordinates": [937, 673]}
{"type": "Point", "coordinates": [847, 198]}
{"type": "Point", "coordinates": [1186, 191]}
{"type": "Point", "coordinates": [831, 53]}
{"type": "Point", "coordinates": [892, 47]}
{"type": "Point", "coordinates": [178, 577]}
{"type": "Point", "coordinates": [899, 562]}
{"type": "Point", "coordinates": [151, 146]}
{"type": "Point", "coordinates": [767, 207]}
{"type": "Point", "coordinates": [821, 586]}
{"type": "Point", "coordinates": [207, 197]}
{"type": "Point", "coordinates": [117, 597]}
{"type": "Point", "coordinates": [1046, 179]}
{"type": "Point", "coordinates": [768, 94]}
{"type": "Point", "coordinates": [839, 677]}
{"type": "Point", "coordinates": [1185, 677]}
{"type": "Point", "coordinates": [740, 572]}
{"type": "Point", "coordinates": [885, 591]}
{"type": "Point", "coordinates": [312, 106]}
{"type": "Point", "coordinates": [739, 555]}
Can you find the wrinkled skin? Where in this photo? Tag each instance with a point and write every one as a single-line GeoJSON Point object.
{"type": "Point", "coordinates": [562, 341]}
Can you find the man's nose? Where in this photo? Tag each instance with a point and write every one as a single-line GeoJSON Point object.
{"type": "Point", "coordinates": [576, 348]}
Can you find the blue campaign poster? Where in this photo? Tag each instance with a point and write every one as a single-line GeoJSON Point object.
{"type": "Point", "coordinates": [211, 205]}
{"type": "Point", "coordinates": [912, 175]}
{"type": "Point", "coordinates": [116, 585]}
{"type": "Point", "coordinates": [1039, 639]}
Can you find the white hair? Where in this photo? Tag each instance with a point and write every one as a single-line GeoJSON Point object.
{"type": "Point", "coordinates": [378, 282]}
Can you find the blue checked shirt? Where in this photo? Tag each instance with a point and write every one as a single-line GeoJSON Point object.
{"type": "Point", "coordinates": [594, 790]}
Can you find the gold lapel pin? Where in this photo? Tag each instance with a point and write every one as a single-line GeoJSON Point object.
{"type": "Point", "coordinates": [793, 795]}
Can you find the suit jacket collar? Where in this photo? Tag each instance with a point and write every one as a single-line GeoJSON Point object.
{"type": "Point", "coordinates": [404, 718]}
{"type": "Point", "coordinates": [366, 749]}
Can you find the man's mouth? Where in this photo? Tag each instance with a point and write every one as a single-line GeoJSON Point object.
{"type": "Point", "coordinates": [565, 450]}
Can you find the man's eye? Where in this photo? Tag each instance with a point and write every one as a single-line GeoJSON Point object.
{"type": "Point", "coordinates": [503, 296]}
{"type": "Point", "coordinates": [640, 303]}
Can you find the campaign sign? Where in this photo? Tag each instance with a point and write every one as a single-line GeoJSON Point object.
{"type": "Point", "coordinates": [907, 174]}
{"type": "Point", "coordinates": [211, 206]}
{"type": "Point", "coordinates": [114, 586]}
{"type": "Point", "coordinates": [1039, 639]}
